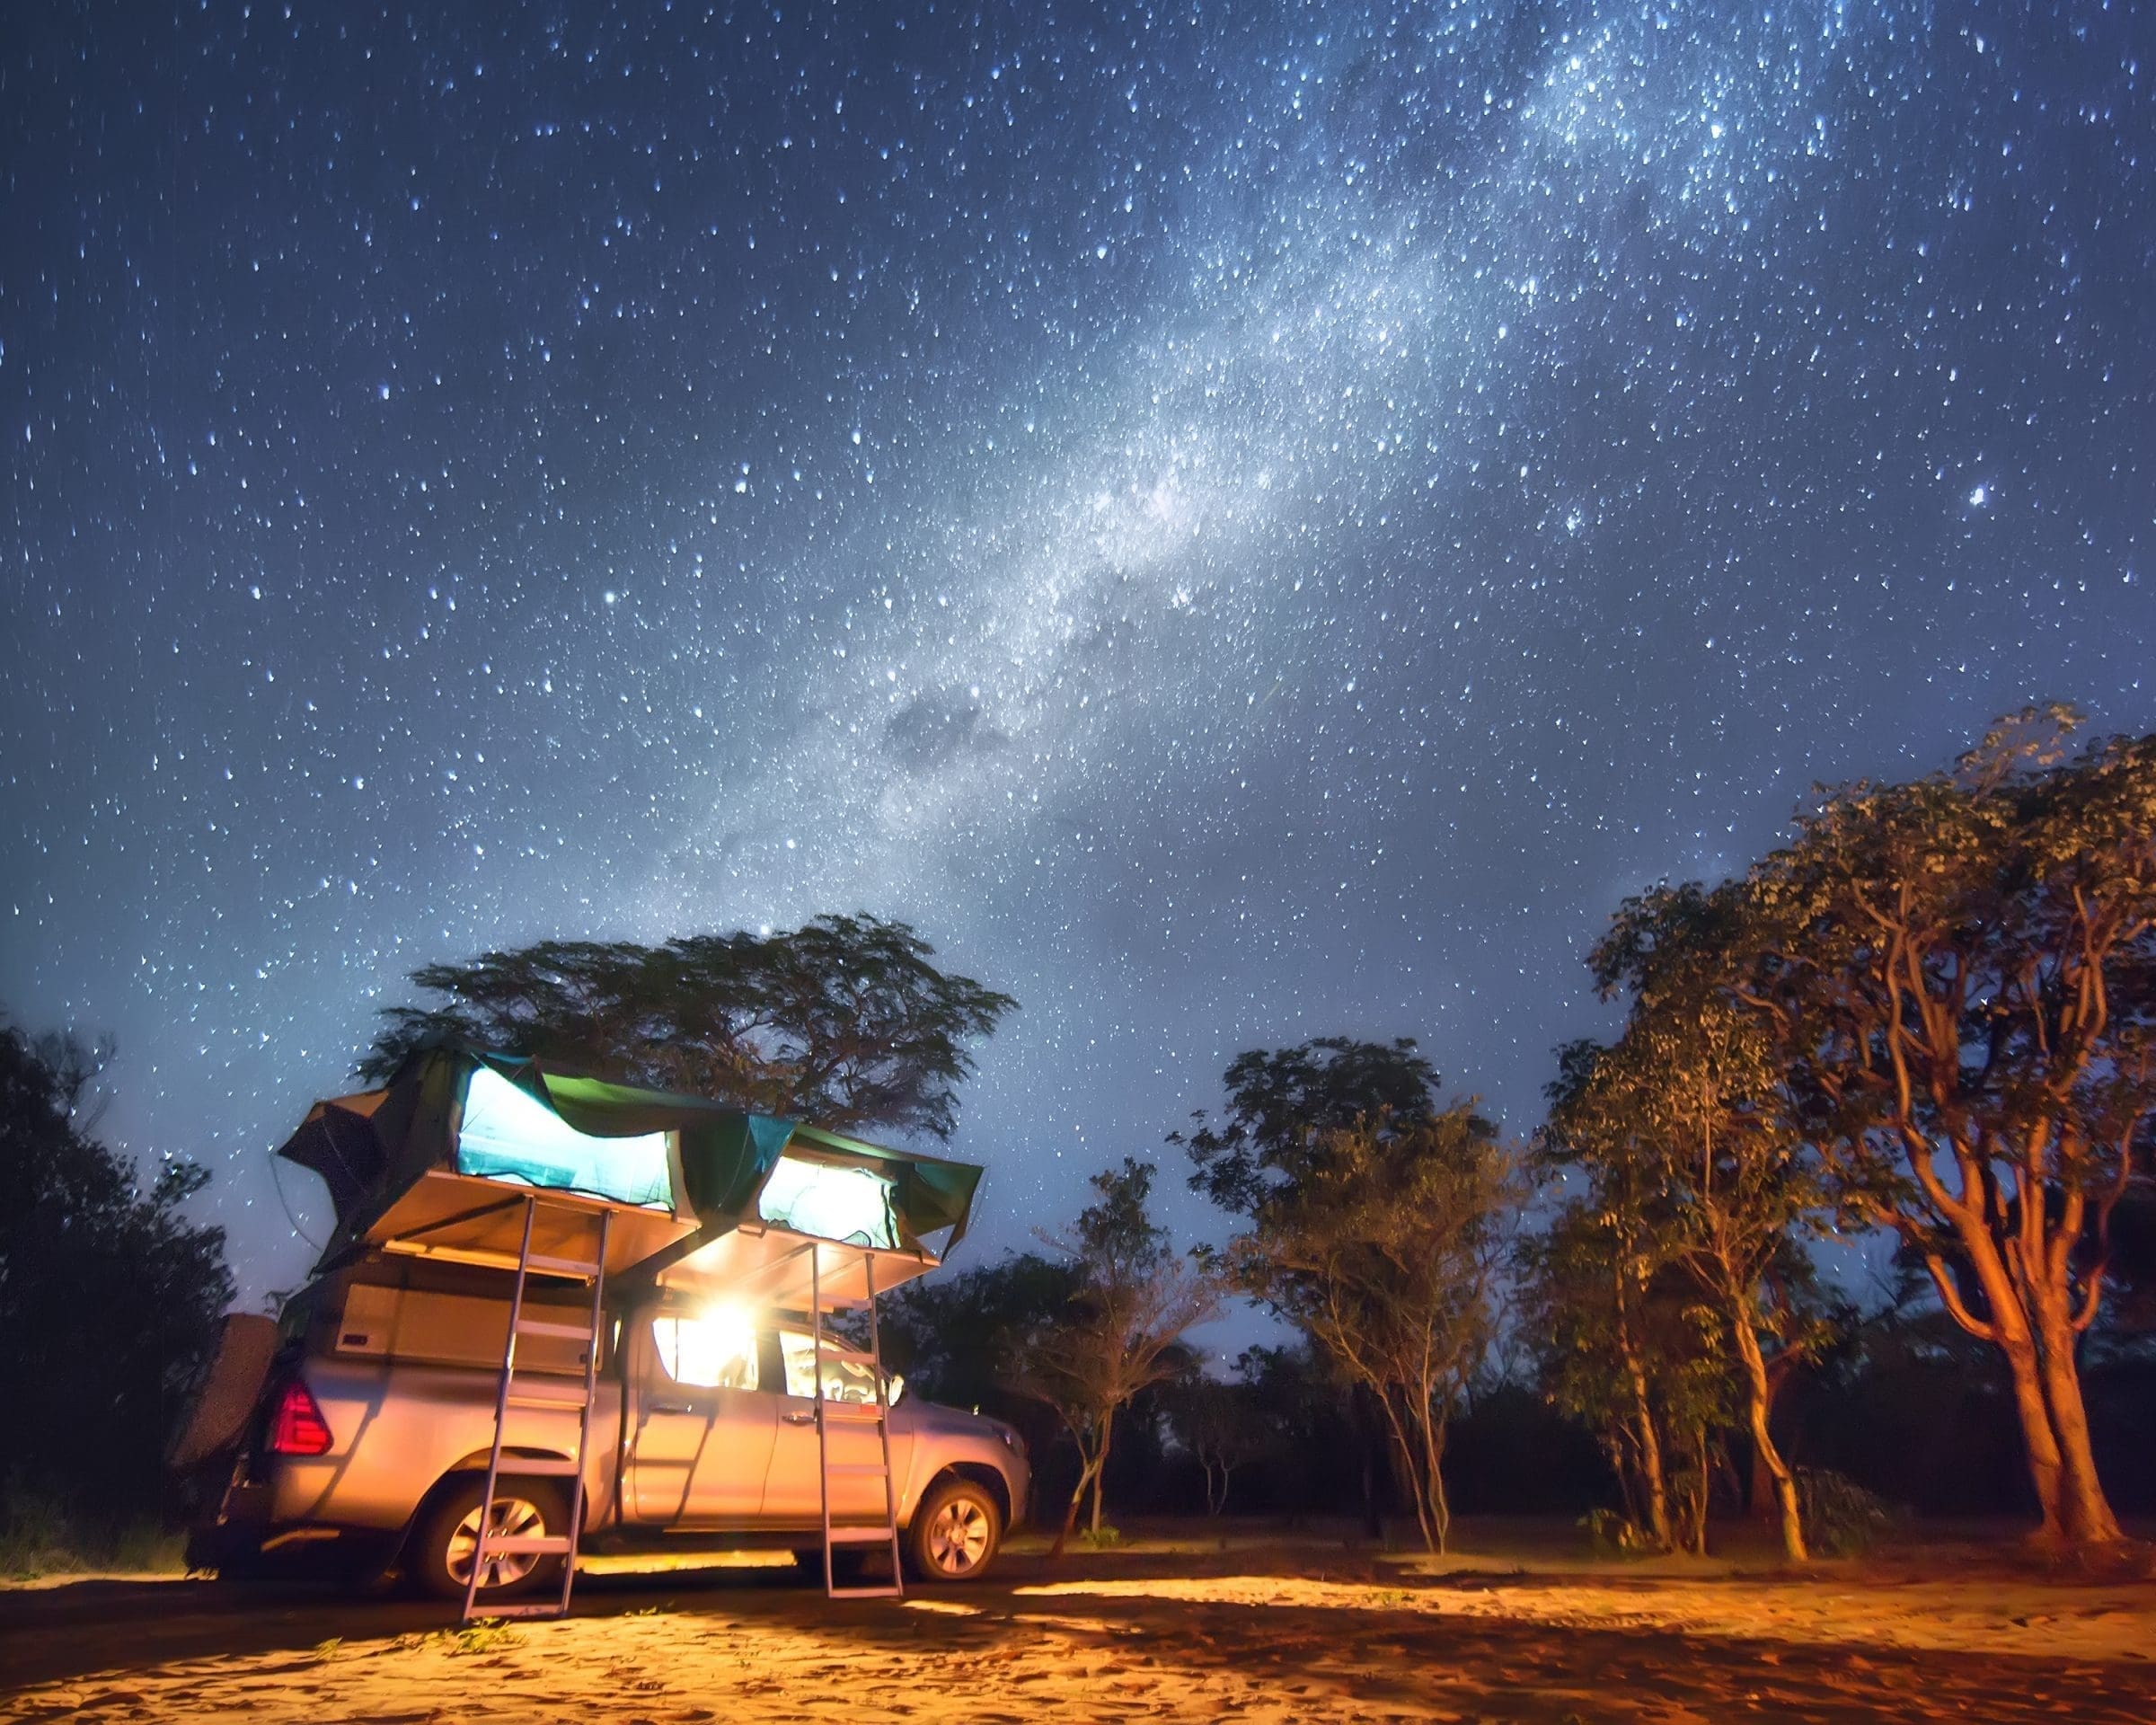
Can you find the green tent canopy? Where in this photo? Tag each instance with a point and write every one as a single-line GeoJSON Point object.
{"type": "Point", "coordinates": [437, 1162]}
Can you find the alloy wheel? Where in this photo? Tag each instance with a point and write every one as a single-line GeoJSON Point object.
{"type": "Point", "coordinates": [957, 1538]}
{"type": "Point", "coordinates": [509, 1517]}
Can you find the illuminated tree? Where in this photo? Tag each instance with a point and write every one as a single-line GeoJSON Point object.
{"type": "Point", "coordinates": [1960, 977]}
{"type": "Point", "coordinates": [1679, 1122]}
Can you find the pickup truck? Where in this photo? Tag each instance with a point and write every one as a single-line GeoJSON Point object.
{"type": "Point", "coordinates": [367, 1444]}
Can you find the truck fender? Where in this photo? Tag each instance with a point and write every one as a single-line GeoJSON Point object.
{"type": "Point", "coordinates": [982, 1474]}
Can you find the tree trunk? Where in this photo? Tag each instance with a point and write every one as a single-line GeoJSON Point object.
{"type": "Point", "coordinates": [1758, 1397]}
{"type": "Point", "coordinates": [2009, 1331]}
{"type": "Point", "coordinates": [1430, 1427]}
{"type": "Point", "coordinates": [1069, 1510]}
{"type": "Point", "coordinates": [2084, 1510]}
{"type": "Point", "coordinates": [1404, 1449]}
{"type": "Point", "coordinates": [1108, 1432]}
{"type": "Point", "coordinates": [1699, 1494]}
{"type": "Point", "coordinates": [1651, 1477]}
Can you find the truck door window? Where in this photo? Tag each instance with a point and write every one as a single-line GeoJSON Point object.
{"type": "Point", "coordinates": [706, 1353]}
{"type": "Point", "coordinates": [844, 1381]}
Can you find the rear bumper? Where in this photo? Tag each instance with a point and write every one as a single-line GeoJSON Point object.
{"type": "Point", "coordinates": [247, 1537]}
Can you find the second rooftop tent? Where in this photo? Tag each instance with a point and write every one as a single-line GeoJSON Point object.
{"type": "Point", "coordinates": [436, 1164]}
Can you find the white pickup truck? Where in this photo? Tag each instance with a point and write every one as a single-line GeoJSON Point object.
{"type": "Point", "coordinates": [367, 1444]}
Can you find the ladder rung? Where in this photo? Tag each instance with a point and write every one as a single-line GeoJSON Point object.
{"type": "Point", "coordinates": [542, 1467]}
{"type": "Point", "coordinates": [860, 1535]}
{"type": "Point", "coordinates": [857, 1469]}
{"type": "Point", "coordinates": [563, 1266]}
{"type": "Point", "coordinates": [548, 1327]}
{"type": "Point", "coordinates": [863, 1593]}
{"type": "Point", "coordinates": [540, 1544]}
{"type": "Point", "coordinates": [543, 1608]}
{"type": "Point", "coordinates": [571, 1402]}
{"type": "Point", "coordinates": [854, 1413]}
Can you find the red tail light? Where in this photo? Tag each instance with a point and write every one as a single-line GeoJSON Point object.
{"type": "Point", "coordinates": [297, 1427]}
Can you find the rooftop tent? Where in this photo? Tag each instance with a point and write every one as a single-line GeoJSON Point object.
{"type": "Point", "coordinates": [436, 1164]}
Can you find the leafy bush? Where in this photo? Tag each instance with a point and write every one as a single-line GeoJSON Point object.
{"type": "Point", "coordinates": [1841, 1517]}
{"type": "Point", "coordinates": [1611, 1534]}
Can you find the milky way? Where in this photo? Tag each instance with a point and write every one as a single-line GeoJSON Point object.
{"type": "Point", "coordinates": [1239, 521]}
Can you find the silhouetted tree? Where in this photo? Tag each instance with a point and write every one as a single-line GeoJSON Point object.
{"type": "Point", "coordinates": [109, 1296]}
{"type": "Point", "coordinates": [1383, 1248]}
{"type": "Point", "coordinates": [1283, 1103]}
{"type": "Point", "coordinates": [1122, 1331]}
{"type": "Point", "coordinates": [1222, 1424]}
{"type": "Point", "coordinates": [844, 1021]}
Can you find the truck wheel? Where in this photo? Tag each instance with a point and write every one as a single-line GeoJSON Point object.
{"type": "Point", "coordinates": [955, 1533]}
{"type": "Point", "coordinates": [447, 1538]}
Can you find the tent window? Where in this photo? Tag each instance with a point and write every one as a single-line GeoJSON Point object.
{"type": "Point", "coordinates": [832, 1203]}
{"type": "Point", "coordinates": [509, 1135]}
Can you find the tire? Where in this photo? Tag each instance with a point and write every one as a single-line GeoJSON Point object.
{"type": "Point", "coordinates": [442, 1543]}
{"type": "Point", "coordinates": [956, 1531]}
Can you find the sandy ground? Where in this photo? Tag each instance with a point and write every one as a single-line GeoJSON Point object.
{"type": "Point", "coordinates": [1261, 1631]}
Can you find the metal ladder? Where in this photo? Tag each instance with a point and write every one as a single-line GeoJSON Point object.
{"type": "Point", "coordinates": [860, 1417]}
{"type": "Point", "coordinates": [510, 1395]}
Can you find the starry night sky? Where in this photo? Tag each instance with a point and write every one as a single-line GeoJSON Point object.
{"type": "Point", "coordinates": [1239, 521]}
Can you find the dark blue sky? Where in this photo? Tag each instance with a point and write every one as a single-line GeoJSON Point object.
{"type": "Point", "coordinates": [1241, 521]}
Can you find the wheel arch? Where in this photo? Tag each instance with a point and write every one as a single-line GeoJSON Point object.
{"type": "Point", "coordinates": [457, 1472]}
{"type": "Point", "coordinates": [981, 1473]}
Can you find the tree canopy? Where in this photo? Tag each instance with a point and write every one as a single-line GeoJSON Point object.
{"type": "Point", "coordinates": [1283, 1104]}
{"type": "Point", "coordinates": [845, 1020]}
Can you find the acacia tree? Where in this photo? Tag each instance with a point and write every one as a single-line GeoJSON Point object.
{"type": "Point", "coordinates": [1386, 1252]}
{"type": "Point", "coordinates": [1122, 1331]}
{"type": "Point", "coordinates": [844, 1019]}
{"type": "Point", "coordinates": [1957, 975]}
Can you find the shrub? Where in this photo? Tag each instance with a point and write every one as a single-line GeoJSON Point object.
{"type": "Point", "coordinates": [1841, 1517]}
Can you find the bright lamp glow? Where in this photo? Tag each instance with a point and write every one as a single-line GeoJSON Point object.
{"type": "Point", "coordinates": [715, 1348]}
{"type": "Point", "coordinates": [730, 1328]}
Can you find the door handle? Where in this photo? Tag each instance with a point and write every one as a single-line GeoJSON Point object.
{"type": "Point", "coordinates": [671, 1407]}
{"type": "Point", "coordinates": [798, 1418]}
